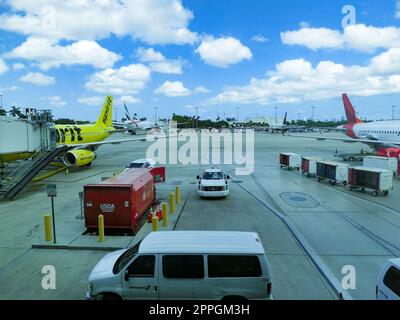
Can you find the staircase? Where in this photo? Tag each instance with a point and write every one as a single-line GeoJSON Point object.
{"type": "Point", "coordinates": [20, 177]}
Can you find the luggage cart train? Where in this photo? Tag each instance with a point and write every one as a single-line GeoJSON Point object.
{"type": "Point", "coordinates": [377, 179]}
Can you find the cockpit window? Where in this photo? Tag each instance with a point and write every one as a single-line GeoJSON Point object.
{"type": "Point", "coordinates": [213, 176]}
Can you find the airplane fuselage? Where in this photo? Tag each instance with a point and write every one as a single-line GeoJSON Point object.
{"type": "Point", "coordinates": [81, 134]}
{"type": "Point", "coordinates": [381, 130]}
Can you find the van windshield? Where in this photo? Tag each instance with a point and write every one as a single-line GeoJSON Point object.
{"type": "Point", "coordinates": [125, 258]}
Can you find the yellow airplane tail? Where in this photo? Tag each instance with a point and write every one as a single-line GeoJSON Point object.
{"type": "Point", "coordinates": [105, 118]}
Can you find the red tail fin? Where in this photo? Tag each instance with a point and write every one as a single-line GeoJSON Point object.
{"type": "Point", "coordinates": [349, 109]}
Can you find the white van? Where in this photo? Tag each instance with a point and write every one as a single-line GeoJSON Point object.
{"type": "Point", "coordinates": [388, 287]}
{"type": "Point", "coordinates": [185, 265]}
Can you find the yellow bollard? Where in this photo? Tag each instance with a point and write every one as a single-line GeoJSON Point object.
{"type": "Point", "coordinates": [178, 194]}
{"type": "Point", "coordinates": [101, 228]}
{"type": "Point", "coordinates": [48, 234]}
{"type": "Point", "coordinates": [165, 214]}
{"type": "Point", "coordinates": [154, 222]}
{"type": "Point", "coordinates": [172, 203]}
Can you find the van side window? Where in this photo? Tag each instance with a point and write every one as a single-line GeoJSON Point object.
{"type": "Point", "coordinates": [392, 280]}
{"type": "Point", "coordinates": [234, 267]}
{"type": "Point", "coordinates": [142, 267]}
{"type": "Point", "coordinates": [183, 267]}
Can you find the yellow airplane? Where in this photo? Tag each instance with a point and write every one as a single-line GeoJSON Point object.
{"type": "Point", "coordinates": [81, 140]}
{"type": "Point", "coordinates": [84, 138]}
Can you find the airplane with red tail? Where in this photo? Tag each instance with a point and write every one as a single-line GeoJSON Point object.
{"type": "Point", "coordinates": [382, 136]}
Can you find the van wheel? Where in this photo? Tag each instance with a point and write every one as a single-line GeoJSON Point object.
{"type": "Point", "coordinates": [234, 298]}
{"type": "Point", "coordinates": [110, 297]}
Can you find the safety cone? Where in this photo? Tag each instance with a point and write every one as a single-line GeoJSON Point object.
{"type": "Point", "coordinates": [159, 214]}
{"type": "Point", "coordinates": [151, 216]}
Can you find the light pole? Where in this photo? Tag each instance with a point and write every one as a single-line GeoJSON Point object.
{"type": "Point", "coordinates": [155, 114]}
{"type": "Point", "coordinates": [393, 109]}
{"type": "Point", "coordinates": [313, 113]}
{"type": "Point", "coordinates": [276, 115]}
{"type": "Point", "coordinates": [237, 114]}
{"type": "Point", "coordinates": [197, 116]}
{"type": "Point", "coordinates": [1, 103]}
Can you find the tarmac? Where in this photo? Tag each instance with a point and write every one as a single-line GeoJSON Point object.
{"type": "Point", "coordinates": [334, 227]}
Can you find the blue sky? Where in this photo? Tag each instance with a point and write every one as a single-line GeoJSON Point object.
{"type": "Point", "coordinates": [214, 55]}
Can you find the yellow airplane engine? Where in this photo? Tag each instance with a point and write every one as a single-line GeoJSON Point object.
{"type": "Point", "coordinates": [79, 158]}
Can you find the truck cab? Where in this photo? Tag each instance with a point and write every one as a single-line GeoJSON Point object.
{"type": "Point", "coordinates": [213, 183]}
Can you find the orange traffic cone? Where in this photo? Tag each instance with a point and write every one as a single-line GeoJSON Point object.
{"type": "Point", "coordinates": [151, 216]}
{"type": "Point", "coordinates": [159, 214]}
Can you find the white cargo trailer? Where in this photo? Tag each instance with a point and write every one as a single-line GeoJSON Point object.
{"type": "Point", "coordinates": [377, 180]}
{"type": "Point", "coordinates": [290, 160]}
{"type": "Point", "coordinates": [309, 166]}
{"type": "Point", "coordinates": [385, 163]}
{"type": "Point", "coordinates": [334, 172]}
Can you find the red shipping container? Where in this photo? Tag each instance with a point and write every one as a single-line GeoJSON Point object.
{"type": "Point", "coordinates": [158, 174]}
{"type": "Point", "coordinates": [123, 200]}
{"type": "Point", "coordinates": [305, 165]}
{"type": "Point", "coordinates": [284, 159]}
{"type": "Point", "coordinates": [352, 177]}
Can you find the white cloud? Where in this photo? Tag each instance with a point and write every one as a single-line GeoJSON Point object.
{"type": "Point", "coordinates": [152, 21]}
{"type": "Point", "coordinates": [149, 55]}
{"type": "Point", "coordinates": [18, 66]}
{"type": "Point", "coordinates": [157, 62]}
{"type": "Point", "coordinates": [368, 38]}
{"type": "Point", "coordinates": [304, 24]}
{"type": "Point", "coordinates": [38, 79]}
{"type": "Point", "coordinates": [358, 37]}
{"type": "Point", "coordinates": [55, 101]}
{"type": "Point", "coordinates": [173, 89]}
{"type": "Point", "coordinates": [3, 67]}
{"type": "Point", "coordinates": [387, 62]}
{"type": "Point", "coordinates": [129, 99]}
{"type": "Point", "coordinates": [168, 67]}
{"type": "Point", "coordinates": [15, 88]}
{"type": "Point", "coordinates": [397, 12]}
{"type": "Point", "coordinates": [259, 38]}
{"type": "Point", "coordinates": [201, 89]}
{"type": "Point", "coordinates": [91, 101]}
{"type": "Point", "coordinates": [47, 54]}
{"type": "Point", "coordinates": [298, 80]}
{"type": "Point", "coordinates": [313, 38]}
{"type": "Point", "coordinates": [223, 52]}
{"type": "Point", "coordinates": [125, 80]}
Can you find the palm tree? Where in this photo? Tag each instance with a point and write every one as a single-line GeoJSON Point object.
{"type": "Point", "coordinates": [15, 112]}
{"type": "Point", "coordinates": [3, 112]}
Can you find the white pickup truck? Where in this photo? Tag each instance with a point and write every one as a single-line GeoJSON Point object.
{"type": "Point", "coordinates": [213, 184]}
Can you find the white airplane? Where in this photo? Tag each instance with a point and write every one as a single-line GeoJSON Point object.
{"type": "Point", "coordinates": [382, 136]}
{"type": "Point", "coordinates": [280, 128]}
{"type": "Point", "coordinates": [136, 126]}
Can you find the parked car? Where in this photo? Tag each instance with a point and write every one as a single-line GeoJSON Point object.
{"type": "Point", "coordinates": [193, 265]}
{"type": "Point", "coordinates": [213, 184]}
{"type": "Point", "coordinates": [388, 287]}
{"type": "Point", "coordinates": [142, 163]}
